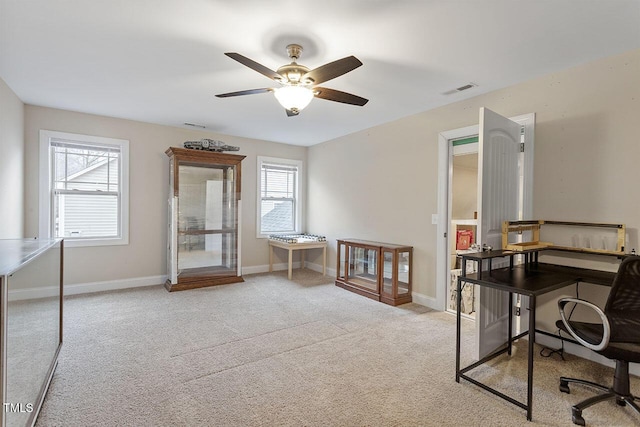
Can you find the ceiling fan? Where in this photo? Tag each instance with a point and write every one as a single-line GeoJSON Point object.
{"type": "Point", "coordinates": [298, 83]}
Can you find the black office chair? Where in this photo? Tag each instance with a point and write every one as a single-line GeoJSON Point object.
{"type": "Point", "coordinates": [616, 338]}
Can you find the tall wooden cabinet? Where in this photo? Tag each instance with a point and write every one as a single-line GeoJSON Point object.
{"type": "Point", "coordinates": [204, 217]}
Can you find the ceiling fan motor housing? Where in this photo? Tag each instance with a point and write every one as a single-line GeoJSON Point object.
{"type": "Point", "coordinates": [292, 73]}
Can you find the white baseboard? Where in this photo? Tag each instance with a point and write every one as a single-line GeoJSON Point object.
{"type": "Point", "coordinates": [111, 285]}
{"type": "Point", "coordinates": [283, 266]}
{"type": "Point", "coordinates": [331, 272]}
{"type": "Point", "coordinates": [583, 352]}
{"type": "Point", "coordinates": [32, 293]}
{"type": "Point", "coordinates": [256, 269]}
{"type": "Point", "coordinates": [425, 300]}
{"type": "Point", "coordinates": [85, 288]}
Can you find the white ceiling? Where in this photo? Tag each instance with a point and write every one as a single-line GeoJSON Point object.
{"type": "Point", "coordinates": [162, 61]}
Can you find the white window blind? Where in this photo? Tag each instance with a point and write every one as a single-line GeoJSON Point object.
{"type": "Point", "coordinates": [279, 207]}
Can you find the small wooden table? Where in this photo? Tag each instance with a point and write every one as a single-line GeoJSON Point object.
{"type": "Point", "coordinates": [297, 246]}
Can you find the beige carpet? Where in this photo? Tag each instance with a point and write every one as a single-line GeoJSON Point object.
{"type": "Point", "coordinates": [273, 352]}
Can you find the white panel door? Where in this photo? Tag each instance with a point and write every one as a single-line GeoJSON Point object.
{"type": "Point", "coordinates": [498, 200]}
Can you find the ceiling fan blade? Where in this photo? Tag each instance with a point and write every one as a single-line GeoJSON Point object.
{"type": "Point", "coordinates": [244, 92]}
{"type": "Point", "coordinates": [338, 96]}
{"type": "Point", "coordinates": [332, 70]}
{"type": "Point", "coordinates": [255, 66]}
{"type": "Point", "coordinates": [291, 113]}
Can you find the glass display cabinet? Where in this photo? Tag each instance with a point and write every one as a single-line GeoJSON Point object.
{"type": "Point", "coordinates": [204, 215]}
{"type": "Point", "coordinates": [30, 325]}
{"type": "Point", "coordinates": [379, 271]}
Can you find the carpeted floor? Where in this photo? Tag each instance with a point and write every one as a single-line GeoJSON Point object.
{"type": "Point", "coordinates": [273, 352]}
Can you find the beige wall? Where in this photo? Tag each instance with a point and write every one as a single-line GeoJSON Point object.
{"type": "Point", "coordinates": [381, 183]}
{"type": "Point", "coordinates": [145, 255]}
{"type": "Point", "coordinates": [11, 164]}
{"type": "Point", "coordinates": [464, 185]}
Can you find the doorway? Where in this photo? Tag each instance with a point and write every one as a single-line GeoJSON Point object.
{"type": "Point", "coordinates": [446, 155]}
{"type": "Point", "coordinates": [505, 187]}
{"type": "Point", "coordinates": [463, 219]}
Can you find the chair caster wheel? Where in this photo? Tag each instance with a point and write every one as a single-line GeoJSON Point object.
{"type": "Point", "coordinates": [621, 402]}
{"type": "Point", "coordinates": [576, 417]}
{"type": "Point", "coordinates": [564, 387]}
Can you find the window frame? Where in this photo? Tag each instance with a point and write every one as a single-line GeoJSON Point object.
{"type": "Point", "coordinates": [46, 181]}
{"type": "Point", "coordinates": [298, 197]}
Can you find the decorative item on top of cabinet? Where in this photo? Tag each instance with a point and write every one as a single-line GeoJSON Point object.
{"type": "Point", "coordinates": [380, 271]}
{"type": "Point", "coordinates": [204, 216]}
{"type": "Point", "coordinates": [209, 145]}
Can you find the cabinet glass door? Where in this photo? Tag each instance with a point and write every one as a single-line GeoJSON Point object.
{"type": "Point", "coordinates": [387, 273]}
{"type": "Point", "coordinates": [342, 260]}
{"type": "Point", "coordinates": [404, 273]}
{"type": "Point", "coordinates": [363, 267]}
{"type": "Point", "coordinates": [207, 220]}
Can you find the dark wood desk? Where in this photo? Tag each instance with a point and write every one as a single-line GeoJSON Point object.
{"type": "Point", "coordinates": [531, 279]}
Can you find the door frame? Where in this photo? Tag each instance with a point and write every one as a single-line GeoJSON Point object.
{"type": "Point", "coordinates": [445, 157]}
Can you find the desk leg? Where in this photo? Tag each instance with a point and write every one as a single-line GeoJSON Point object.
{"type": "Point", "coordinates": [458, 325]}
{"type": "Point", "coordinates": [324, 261]}
{"type": "Point", "coordinates": [290, 262]}
{"type": "Point", "coordinates": [510, 333]}
{"type": "Point", "coordinates": [302, 257]}
{"type": "Point", "coordinates": [532, 339]}
{"type": "Point", "coordinates": [270, 258]}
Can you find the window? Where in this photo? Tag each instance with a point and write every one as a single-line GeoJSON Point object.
{"type": "Point", "coordinates": [84, 189]}
{"type": "Point", "coordinates": [279, 196]}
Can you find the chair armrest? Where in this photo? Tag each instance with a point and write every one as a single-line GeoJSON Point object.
{"type": "Point", "coordinates": [606, 335]}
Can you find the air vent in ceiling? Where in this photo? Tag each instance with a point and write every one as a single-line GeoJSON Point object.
{"type": "Point", "coordinates": [460, 89]}
{"type": "Point", "coordinates": [195, 125]}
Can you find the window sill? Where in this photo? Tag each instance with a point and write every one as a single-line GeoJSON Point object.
{"type": "Point", "coordinates": [83, 243]}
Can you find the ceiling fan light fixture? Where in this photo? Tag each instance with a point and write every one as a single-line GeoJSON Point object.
{"type": "Point", "coordinates": [293, 97]}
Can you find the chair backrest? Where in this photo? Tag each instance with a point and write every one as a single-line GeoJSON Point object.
{"type": "Point", "coordinates": [625, 291]}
